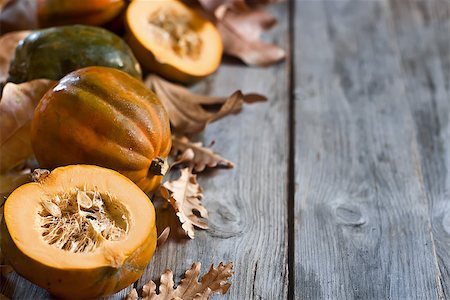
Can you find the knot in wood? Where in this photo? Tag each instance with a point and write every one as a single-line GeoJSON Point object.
{"type": "Point", "coordinates": [350, 215]}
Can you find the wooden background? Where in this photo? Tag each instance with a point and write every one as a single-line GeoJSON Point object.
{"type": "Point", "coordinates": [340, 189]}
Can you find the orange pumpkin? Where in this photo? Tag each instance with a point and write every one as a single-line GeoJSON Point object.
{"type": "Point", "coordinates": [103, 116]}
{"type": "Point", "coordinates": [91, 12]}
{"type": "Point", "coordinates": [81, 232]}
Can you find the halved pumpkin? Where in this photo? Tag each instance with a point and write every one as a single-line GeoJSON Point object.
{"type": "Point", "coordinates": [173, 40]}
{"type": "Point", "coordinates": [64, 12]}
{"type": "Point", "coordinates": [79, 232]}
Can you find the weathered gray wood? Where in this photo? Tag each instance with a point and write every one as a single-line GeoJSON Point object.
{"type": "Point", "coordinates": [423, 37]}
{"type": "Point", "coordinates": [247, 204]}
{"type": "Point", "coordinates": [363, 226]}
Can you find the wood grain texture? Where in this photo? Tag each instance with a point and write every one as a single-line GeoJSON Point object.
{"type": "Point", "coordinates": [423, 39]}
{"type": "Point", "coordinates": [363, 216]}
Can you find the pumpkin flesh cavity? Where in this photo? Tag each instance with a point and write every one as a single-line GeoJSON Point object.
{"type": "Point", "coordinates": [176, 31]}
{"type": "Point", "coordinates": [173, 40]}
{"type": "Point", "coordinates": [80, 226]}
{"type": "Point", "coordinates": [81, 221]}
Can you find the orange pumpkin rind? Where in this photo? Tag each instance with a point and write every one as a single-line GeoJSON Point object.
{"type": "Point", "coordinates": [79, 247]}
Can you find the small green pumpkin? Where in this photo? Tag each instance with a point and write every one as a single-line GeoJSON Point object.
{"type": "Point", "coordinates": [54, 52]}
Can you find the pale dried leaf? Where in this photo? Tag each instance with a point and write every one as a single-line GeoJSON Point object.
{"type": "Point", "coordinates": [162, 238]}
{"type": "Point", "coordinates": [186, 199]}
{"type": "Point", "coordinates": [197, 155]}
{"type": "Point", "coordinates": [133, 295]}
{"type": "Point", "coordinates": [190, 113]}
{"type": "Point", "coordinates": [214, 281]}
{"type": "Point", "coordinates": [16, 112]}
{"type": "Point", "coordinates": [8, 43]}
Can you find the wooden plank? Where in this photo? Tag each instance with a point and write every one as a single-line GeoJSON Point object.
{"type": "Point", "coordinates": [362, 216]}
{"type": "Point", "coordinates": [423, 38]}
{"type": "Point", "coordinates": [247, 204]}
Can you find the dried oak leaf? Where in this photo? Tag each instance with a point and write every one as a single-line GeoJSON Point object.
{"type": "Point", "coordinates": [241, 26]}
{"type": "Point", "coordinates": [190, 113]}
{"type": "Point", "coordinates": [8, 43]}
{"type": "Point", "coordinates": [215, 281]}
{"type": "Point", "coordinates": [197, 155]}
{"type": "Point", "coordinates": [185, 199]}
{"type": "Point", "coordinates": [16, 111]}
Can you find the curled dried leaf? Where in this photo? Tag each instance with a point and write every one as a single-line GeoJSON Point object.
{"type": "Point", "coordinates": [190, 288]}
{"type": "Point", "coordinates": [196, 155]}
{"type": "Point", "coordinates": [241, 26]}
{"type": "Point", "coordinates": [190, 113]}
{"type": "Point", "coordinates": [186, 199]}
{"type": "Point", "coordinates": [248, 48]}
{"type": "Point", "coordinates": [16, 111]}
{"type": "Point", "coordinates": [8, 43]}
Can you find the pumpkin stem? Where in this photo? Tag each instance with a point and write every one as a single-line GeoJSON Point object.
{"type": "Point", "coordinates": [39, 175]}
{"type": "Point", "coordinates": [159, 166]}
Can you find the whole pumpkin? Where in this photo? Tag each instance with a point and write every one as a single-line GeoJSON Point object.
{"type": "Point", "coordinates": [54, 52]}
{"type": "Point", "coordinates": [92, 12]}
{"type": "Point", "coordinates": [103, 116]}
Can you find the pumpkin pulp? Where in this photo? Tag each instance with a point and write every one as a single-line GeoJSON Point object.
{"type": "Point", "coordinates": [81, 232]}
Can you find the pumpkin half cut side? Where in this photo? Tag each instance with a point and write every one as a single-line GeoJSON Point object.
{"type": "Point", "coordinates": [173, 40]}
{"type": "Point", "coordinates": [80, 231]}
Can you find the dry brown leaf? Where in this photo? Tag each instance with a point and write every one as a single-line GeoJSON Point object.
{"type": "Point", "coordinates": [248, 48]}
{"type": "Point", "coordinates": [214, 281]}
{"type": "Point", "coordinates": [162, 238]}
{"type": "Point", "coordinates": [241, 27]}
{"type": "Point", "coordinates": [8, 43]}
{"type": "Point", "coordinates": [185, 199]}
{"type": "Point", "coordinates": [18, 15]}
{"type": "Point", "coordinates": [16, 111]}
{"type": "Point", "coordinates": [133, 295]}
{"type": "Point", "coordinates": [197, 155]}
{"type": "Point", "coordinates": [190, 113]}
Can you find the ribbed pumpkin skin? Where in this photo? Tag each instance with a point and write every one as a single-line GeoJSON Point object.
{"type": "Point", "coordinates": [54, 52]}
{"type": "Point", "coordinates": [92, 12]}
{"type": "Point", "coordinates": [105, 117]}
